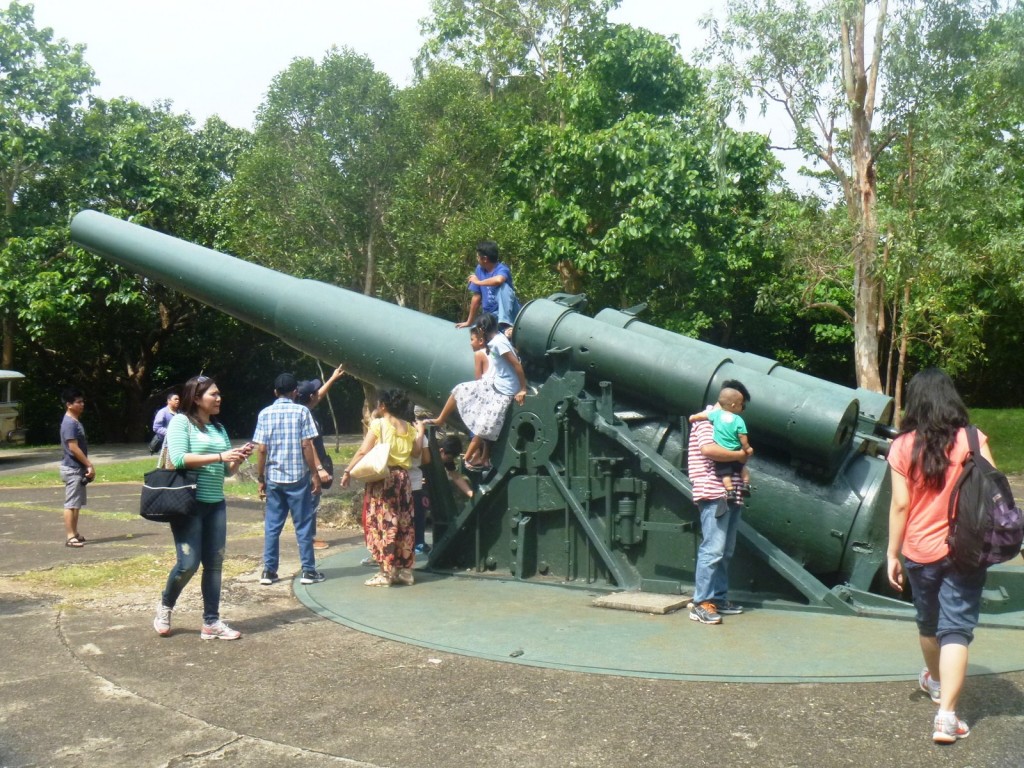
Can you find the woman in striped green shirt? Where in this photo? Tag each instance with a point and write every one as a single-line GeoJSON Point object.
{"type": "Point", "coordinates": [196, 440]}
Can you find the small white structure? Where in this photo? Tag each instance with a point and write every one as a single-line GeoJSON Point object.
{"type": "Point", "coordinates": [10, 424]}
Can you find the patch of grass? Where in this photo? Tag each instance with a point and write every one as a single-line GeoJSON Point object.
{"type": "Point", "coordinates": [1004, 427]}
{"type": "Point", "coordinates": [116, 472]}
{"type": "Point", "coordinates": [89, 581]}
{"type": "Point", "coordinates": [242, 486]}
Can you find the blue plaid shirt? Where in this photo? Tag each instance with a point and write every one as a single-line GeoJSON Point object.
{"type": "Point", "coordinates": [282, 427]}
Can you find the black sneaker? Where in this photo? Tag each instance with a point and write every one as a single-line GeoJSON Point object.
{"type": "Point", "coordinates": [729, 608]}
{"type": "Point", "coordinates": [268, 578]}
{"type": "Point", "coordinates": [312, 577]}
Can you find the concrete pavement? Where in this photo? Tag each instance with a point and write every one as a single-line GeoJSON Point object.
{"type": "Point", "coordinates": [88, 682]}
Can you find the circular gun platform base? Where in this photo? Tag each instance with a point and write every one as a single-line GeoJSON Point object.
{"type": "Point", "coordinates": [560, 628]}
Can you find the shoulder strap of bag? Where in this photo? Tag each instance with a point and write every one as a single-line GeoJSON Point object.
{"type": "Point", "coordinates": [973, 449]}
{"type": "Point", "coordinates": [973, 443]}
{"type": "Point", "coordinates": [164, 460]}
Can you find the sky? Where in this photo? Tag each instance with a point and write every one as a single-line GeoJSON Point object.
{"type": "Point", "coordinates": [219, 56]}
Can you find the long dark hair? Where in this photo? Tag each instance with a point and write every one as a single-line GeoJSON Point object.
{"type": "Point", "coordinates": [191, 393]}
{"type": "Point", "coordinates": [935, 413]}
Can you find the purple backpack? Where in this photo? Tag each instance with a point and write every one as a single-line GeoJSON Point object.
{"type": "Point", "coordinates": [985, 526]}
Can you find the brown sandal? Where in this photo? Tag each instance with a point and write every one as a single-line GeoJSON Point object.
{"type": "Point", "coordinates": [74, 541]}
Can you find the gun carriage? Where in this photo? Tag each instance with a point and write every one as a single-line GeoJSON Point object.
{"type": "Point", "coordinates": [589, 484]}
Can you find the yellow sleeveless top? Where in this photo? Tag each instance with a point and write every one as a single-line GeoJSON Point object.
{"type": "Point", "coordinates": [399, 446]}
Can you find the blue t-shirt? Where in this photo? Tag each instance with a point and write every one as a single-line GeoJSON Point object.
{"type": "Point", "coordinates": [728, 428]}
{"type": "Point", "coordinates": [72, 429]}
{"type": "Point", "coordinates": [505, 379]}
{"type": "Point", "coordinates": [488, 298]}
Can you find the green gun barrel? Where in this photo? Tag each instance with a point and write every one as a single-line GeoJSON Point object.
{"type": "Point", "coordinates": [811, 425]}
{"type": "Point", "coordinates": [379, 342]}
{"type": "Point", "coordinates": [875, 408]}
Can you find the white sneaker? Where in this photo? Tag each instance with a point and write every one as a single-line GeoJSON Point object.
{"type": "Point", "coordinates": [929, 686]}
{"type": "Point", "coordinates": [949, 728]}
{"type": "Point", "coordinates": [219, 631]}
{"type": "Point", "coordinates": [162, 622]}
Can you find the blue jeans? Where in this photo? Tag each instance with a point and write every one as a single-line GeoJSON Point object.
{"type": "Point", "coordinates": [948, 602]}
{"type": "Point", "coordinates": [508, 304]}
{"type": "Point", "coordinates": [199, 539]}
{"type": "Point", "coordinates": [711, 582]}
{"type": "Point", "coordinates": [282, 497]}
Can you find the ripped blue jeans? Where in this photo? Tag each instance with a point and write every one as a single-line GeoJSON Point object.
{"type": "Point", "coordinates": [199, 540]}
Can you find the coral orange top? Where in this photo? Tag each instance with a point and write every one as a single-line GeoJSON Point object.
{"type": "Point", "coordinates": [924, 540]}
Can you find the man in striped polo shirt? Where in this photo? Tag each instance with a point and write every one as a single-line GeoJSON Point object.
{"type": "Point", "coordinates": [719, 519]}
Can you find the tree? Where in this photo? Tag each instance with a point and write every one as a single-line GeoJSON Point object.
{"type": "Point", "coordinates": [951, 184]}
{"type": "Point", "coordinates": [86, 320]}
{"type": "Point", "coordinates": [509, 39]}
{"type": "Point", "coordinates": [42, 82]}
{"type": "Point", "coordinates": [310, 196]}
{"type": "Point", "coordinates": [822, 63]}
{"type": "Point", "coordinates": [447, 197]}
{"type": "Point", "coordinates": [640, 196]}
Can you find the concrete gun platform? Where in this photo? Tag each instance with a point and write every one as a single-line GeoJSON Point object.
{"type": "Point", "coordinates": [559, 627]}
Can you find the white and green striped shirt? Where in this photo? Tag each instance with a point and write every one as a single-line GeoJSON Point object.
{"type": "Point", "coordinates": [184, 437]}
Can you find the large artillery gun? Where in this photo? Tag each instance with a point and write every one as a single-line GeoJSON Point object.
{"type": "Point", "coordinates": [589, 486]}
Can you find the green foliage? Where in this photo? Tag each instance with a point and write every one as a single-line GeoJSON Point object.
{"type": "Point", "coordinates": [628, 71]}
{"type": "Point", "coordinates": [308, 198]}
{"type": "Point", "coordinates": [42, 82]}
{"type": "Point", "coordinates": [447, 199]}
{"type": "Point", "coordinates": [952, 186]}
{"type": "Point", "coordinates": [634, 206]}
{"type": "Point", "coordinates": [84, 320]}
{"type": "Point", "coordinates": [1003, 428]}
{"type": "Point", "coordinates": [508, 39]}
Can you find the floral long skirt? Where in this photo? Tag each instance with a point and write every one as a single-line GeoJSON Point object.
{"type": "Point", "coordinates": [481, 407]}
{"type": "Point", "coordinates": [388, 521]}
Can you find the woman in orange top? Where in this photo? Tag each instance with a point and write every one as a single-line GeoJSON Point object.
{"type": "Point", "coordinates": [925, 462]}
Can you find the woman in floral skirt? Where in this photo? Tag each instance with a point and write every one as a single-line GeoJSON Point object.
{"type": "Point", "coordinates": [390, 533]}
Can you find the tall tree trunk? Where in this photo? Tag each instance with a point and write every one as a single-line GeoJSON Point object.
{"type": "Point", "coordinates": [860, 80]}
{"type": "Point", "coordinates": [371, 265]}
{"type": "Point", "coordinates": [901, 365]}
{"type": "Point", "coordinates": [7, 359]}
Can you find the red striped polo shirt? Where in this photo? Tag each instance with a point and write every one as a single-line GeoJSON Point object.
{"type": "Point", "coordinates": [706, 485]}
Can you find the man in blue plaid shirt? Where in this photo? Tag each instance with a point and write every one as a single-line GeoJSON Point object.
{"type": "Point", "coordinates": [288, 474]}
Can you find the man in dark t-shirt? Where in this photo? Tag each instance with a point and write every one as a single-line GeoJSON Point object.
{"type": "Point", "coordinates": [75, 468]}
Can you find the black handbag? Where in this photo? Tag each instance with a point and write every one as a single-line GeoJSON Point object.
{"type": "Point", "coordinates": [168, 494]}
